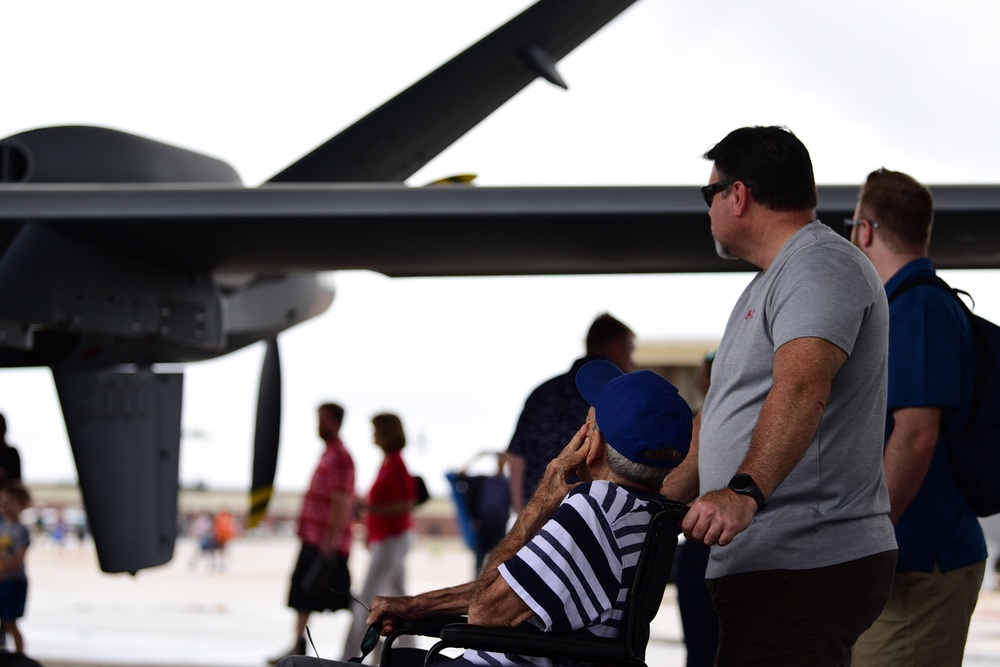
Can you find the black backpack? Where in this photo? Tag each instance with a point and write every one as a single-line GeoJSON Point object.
{"type": "Point", "coordinates": [975, 452]}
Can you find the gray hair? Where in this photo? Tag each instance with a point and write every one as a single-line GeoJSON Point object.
{"type": "Point", "coordinates": [640, 473]}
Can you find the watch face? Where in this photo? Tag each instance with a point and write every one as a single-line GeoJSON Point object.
{"type": "Point", "coordinates": [744, 485]}
{"type": "Point", "coordinates": [741, 483]}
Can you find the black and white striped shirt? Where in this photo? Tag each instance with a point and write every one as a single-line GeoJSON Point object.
{"type": "Point", "coordinates": [577, 572]}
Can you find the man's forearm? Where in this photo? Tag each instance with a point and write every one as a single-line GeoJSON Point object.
{"type": "Point", "coordinates": [681, 484]}
{"type": "Point", "coordinates": [803, 376]}
{"type": "Point", "coordinates": [453, 601]}
{"type": "Point", "coordinates": [494, 602]}
{"type": "Point", "coordinates": [337, 521]}
{"type": "Point", "coordinates": [529, 521]}
{"type": "Point", "coordinates": [785, 429]}
{"type": "Point", "coordinates": [549, 493]}
{"type": "Point", "coordinates": [908, 455]}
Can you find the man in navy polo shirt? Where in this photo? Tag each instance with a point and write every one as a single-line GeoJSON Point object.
{"type": "Point", "coordinates": [554, 410]}
{"type": "Point", "coordinates": [942, 553]}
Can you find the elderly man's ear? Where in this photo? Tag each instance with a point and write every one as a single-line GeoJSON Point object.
{"type": "Point", "coordinates": [596, 450]}
{"type": "Point", "coordinates": [595, 453]}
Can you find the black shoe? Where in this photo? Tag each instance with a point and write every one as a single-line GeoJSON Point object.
{"type": "Point", "coordinates": [298, 649]}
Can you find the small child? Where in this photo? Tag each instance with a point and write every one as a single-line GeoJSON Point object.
{"type": "Point", "coordinates": [14, 541]}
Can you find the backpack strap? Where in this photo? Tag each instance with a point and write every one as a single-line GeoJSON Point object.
{"type": "Point", "coordinates": [984, 357]}
{"type": "Point", "coordinates": [918, 281]}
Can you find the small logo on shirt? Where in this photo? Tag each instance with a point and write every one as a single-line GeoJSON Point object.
{"type": "Point", "coordinates": [750, 314]}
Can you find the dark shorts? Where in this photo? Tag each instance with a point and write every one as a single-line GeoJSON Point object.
{"type": "Point", "coordinates": [305, 595]}
{"type": "Point", "coordinates": [779, 618]}
{"type": "Point", "coordinates": [13, 596]}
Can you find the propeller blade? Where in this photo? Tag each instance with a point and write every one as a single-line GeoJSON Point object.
{"type": "Point", "coordinates": [265, 442]}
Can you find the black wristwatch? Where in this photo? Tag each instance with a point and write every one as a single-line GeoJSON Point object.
{"type": "Point", "coordinates": [745, 486]}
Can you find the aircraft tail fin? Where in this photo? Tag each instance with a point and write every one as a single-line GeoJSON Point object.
{"type": "Point", "coordinates": [124, 425]}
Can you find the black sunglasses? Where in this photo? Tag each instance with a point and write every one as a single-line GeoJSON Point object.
{"type": "Point", "coordinates": [368, 642]}
{"type": "Point", "coordinates": [709, 191]}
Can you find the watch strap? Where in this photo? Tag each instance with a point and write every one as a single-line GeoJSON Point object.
{"type": "Point", "coordinates": [744, 485]}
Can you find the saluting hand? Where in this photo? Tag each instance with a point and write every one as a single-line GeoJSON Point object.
{"type": "Point", "coordinates": [554, 487]}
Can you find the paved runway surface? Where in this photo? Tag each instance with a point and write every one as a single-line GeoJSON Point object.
{"type": "Point", "coordinates": [187, 614]}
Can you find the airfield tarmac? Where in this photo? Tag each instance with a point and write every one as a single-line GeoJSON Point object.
{"type": "Point", "coordinates": [185, 614]}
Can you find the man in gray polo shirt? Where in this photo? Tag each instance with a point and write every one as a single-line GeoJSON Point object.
{"type": "Point", "coordinates": [787, 482]}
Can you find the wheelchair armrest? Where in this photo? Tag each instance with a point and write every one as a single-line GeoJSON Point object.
{"type": "Point", "coordinates": [425, 627]}
{"type": "Point", "coordinates": [527, 641]}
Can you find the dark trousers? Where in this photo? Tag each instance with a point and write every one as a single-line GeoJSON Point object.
{"type": "Point", "coordinates": [701, 625]}
{"type": "Point", "coordinates": [792, 618]}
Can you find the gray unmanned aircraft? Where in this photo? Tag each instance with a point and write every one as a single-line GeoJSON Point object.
{"type": "Point", "coordinates": [119, 254]}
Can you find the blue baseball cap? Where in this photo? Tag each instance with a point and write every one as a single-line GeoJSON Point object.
{"type": "Point", "coordinates": [637, 412]}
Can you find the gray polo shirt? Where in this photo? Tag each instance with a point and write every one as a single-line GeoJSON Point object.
{"type": "Point", "coordinates": [833, 506]}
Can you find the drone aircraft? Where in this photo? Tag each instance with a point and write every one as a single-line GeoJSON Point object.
{"type": "Point", "coordinates": [120, 256]}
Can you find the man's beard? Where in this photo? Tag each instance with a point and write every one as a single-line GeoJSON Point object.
{"type": "Point", "coordinates": [722, 252]}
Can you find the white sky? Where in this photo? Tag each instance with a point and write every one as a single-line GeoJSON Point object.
{"type": "Point", "coordinates": [909, 85]}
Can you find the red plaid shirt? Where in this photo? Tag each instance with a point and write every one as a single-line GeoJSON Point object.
{"type": "Point", "coordinates": [335, 472]}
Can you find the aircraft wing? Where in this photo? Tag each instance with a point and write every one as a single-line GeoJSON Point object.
{"type": "Point", "coordinates": [104, 280]}
{"type": "Point", "coordinates": [110, 267]}
{"type": "Point", "coordinates": [392, 142]}
{"type": "Point", "coordinates": [443, 230]}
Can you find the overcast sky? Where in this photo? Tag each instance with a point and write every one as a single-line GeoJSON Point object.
{"type": "Point", "coordinates": [908, 85]}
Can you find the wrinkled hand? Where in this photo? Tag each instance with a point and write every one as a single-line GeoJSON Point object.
{"type": "Point", "coordinates": [387, 611]}
{"type": "Point", "coordinates": [554, 487]}
{"type": "Point", "coordinates": [718, 517]}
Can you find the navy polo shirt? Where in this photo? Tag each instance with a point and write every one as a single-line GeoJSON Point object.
{"type": "Point", "coordinates": [932, 363]}
{"type": "Point", "coordinates": [552, 415]}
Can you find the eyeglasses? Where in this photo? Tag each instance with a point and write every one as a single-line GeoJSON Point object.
{"type": "Point", "coordinates": [854, 222]}
{"type": "Point", "coordinates": [709, 191]}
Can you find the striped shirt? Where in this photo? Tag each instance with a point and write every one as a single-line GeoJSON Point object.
{"type": "Point", "coordinates": [577, 572]}
{"type": "Point", "coordinates": [335, 472]}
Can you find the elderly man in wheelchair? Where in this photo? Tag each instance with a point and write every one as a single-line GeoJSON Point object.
{"type": "Point", "coordinates": [568, 568]}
